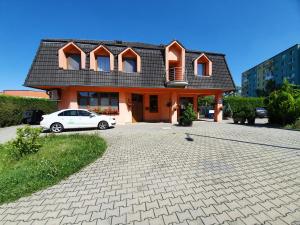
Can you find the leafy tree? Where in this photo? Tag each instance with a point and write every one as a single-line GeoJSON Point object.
{"type": "Point", "coordinates": [270, 87]}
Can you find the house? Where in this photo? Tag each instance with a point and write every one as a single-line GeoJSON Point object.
{"type": "Point", "coordinates": [133, 81]}
{"type": "Point", "coordinates": [26, 93]}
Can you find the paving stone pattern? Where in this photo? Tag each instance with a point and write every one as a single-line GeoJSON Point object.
{"type": "Point", "coordinates": [152, 174]}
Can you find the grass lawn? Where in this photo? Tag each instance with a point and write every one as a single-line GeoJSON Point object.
{"type": "Point", "coordinates": [59, 157]}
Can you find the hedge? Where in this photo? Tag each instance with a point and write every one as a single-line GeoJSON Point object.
{"type": "Point", "coordinates": [12, 108]}
{"type": "Point", "coordinates": [236, 102]}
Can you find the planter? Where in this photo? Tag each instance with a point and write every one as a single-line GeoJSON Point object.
{"type": "Point", "coordinates": [185, 123]}
{"type": "Point", "coordinates": [236, 120]}
{"type": "Point", "coordinates": [243, 120]}
{"type": "Point", "coordinates": [251, 121]}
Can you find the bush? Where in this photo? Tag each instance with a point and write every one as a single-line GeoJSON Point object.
{"type": "Point", "coordinates": [284, 105]}
{"type": "Point", "coordinates": [27, 142]}
{"type": "Point", "coordinates": [227, 111]}
{"type": "Point", "coordinates": [243, 108]}
{"type": "Point", "coordinates": [12, 108]}
{"type": "Point", "coordinates": [237, 102]}
{"type": "Point", "coordinates": [188, 116]}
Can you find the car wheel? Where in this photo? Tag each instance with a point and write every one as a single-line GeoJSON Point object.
{"type": "Point", "coordinates": [56, 127]}
{"type": "Point", "coordinates": [103, 125]}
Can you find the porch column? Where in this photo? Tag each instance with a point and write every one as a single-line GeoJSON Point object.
{"type": "Point", "coordinates": [218, 115]}
{"type": "Point", "coordinates": [174, 108]}
{"type": "Point", "coordinates": [68, 99]}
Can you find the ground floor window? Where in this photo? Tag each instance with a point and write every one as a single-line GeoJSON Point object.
{"type": "Point", "coordinates": [153, 103]}
{"type": "Point", "coordinates": [100, 102]}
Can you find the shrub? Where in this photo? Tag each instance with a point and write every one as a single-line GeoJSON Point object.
{"type": "Point", "coordinates": [244, 108]}
{"type": "Point", "coordinates": [12, 108]}
{"type": "Point", "coordinates": [188, 116]}
{"type": "Point", "coordinates": [284, 105]}
{"type": "Point", "coordinates": [237, 102]}
{"type": "Point", "coordinates": [27, 141]}
{"type": "Point", "coordinates": [227, 111]}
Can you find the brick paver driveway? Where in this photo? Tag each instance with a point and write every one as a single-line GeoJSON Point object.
{"type": "Point", "coordinates": [161, 174]}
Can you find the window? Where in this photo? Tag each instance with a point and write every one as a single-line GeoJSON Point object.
{"type": "Point", "coordinates": [83, 113]}
{"type": "Point", "coordinates": [129, 61]}
{"type": "Point", "coordinates": [73, 62]}
{"type": "Point", "coordinates": [103, 63]}
{"type": "Point", "coordinates": [201, 69]}
{"type": "Point", "coordinates": [129, 65]}
{"type": "Point", "coordinates": [104, 102]}
{"type": "Point", "coordinates": [202, 66]}
{"type": "Point", "coordinates": [153, 103]}
{"type": "Point", "coordinates": [71, 57]}
{"type": "Point", "coordinates": [68, 113]}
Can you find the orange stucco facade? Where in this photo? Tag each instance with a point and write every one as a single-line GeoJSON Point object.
{"type": "Point", "coordinates": [168, 101]}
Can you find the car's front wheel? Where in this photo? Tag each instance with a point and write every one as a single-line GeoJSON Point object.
{"type": "Point", "coordinates": [102, 125]}
{"type": "Point", "coordinates": [56, 127]}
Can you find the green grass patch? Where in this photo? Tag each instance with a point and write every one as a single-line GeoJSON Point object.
{"type": "Point", "coordinates": [59, 157]}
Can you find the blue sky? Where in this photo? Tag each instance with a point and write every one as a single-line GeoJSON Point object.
{"type": "Point", "coordinates": [246, 31]}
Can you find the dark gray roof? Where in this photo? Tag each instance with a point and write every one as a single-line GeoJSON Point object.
{"type": "Point", "coordinates": [45, 71]}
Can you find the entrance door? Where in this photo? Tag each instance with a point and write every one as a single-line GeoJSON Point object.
{"type": "Point", "coordinates": [184, 101]}
{"type": "Point", "coordinates": [137, 108]}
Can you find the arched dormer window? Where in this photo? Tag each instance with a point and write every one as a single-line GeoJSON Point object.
{"type": "Point", "coordinates": [202, 66]}
{"type": "Point", "coordinates": [129, 61]}
{"type": "Point", "coordinates": [101, 59]}
{"type": "Point", "coordinates": [71, 57]}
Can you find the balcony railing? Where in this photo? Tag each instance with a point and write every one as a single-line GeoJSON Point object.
{"type": "Point", "coordinates": [176, 77]}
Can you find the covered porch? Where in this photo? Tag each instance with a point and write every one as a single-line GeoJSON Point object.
{"type": "Point", "coordinates": [129, 105]}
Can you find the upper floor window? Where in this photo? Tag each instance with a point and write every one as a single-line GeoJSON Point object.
{"type": "Point", "coordinates": [201, 69]}
{"type": "Point", "coordinates": [101, 59]}
{"type": "Point", "coordinates": [71, 57]}
{"type": "Point", "coordinates": [129, 65]}
{"type": "Point", "coordinates": [103, 63]}
{"type": "Point", "coordinates": [202, 66]}
{"type": "Point", "coordinates": [73, 62]}
{"type": "Point", "coordinates": [129, 61]}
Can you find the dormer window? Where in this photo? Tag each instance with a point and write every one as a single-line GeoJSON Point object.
{"type": "Point", "coordinates": [202, 66]}
{"type": "Point", "coordinates": [129, 65]}
{"type": "Point", "coordinates": [103, 63]}
{"type": "Point", "coordinates": [101, 59]}
{"type": "Point", "coordinates": [71, 57]}
{"type": "Point", "coordinates": [201, 69]}
{"type": "Point", "coordinates": [129, 61]}
{"type": "Point", "coordinates": [73, 62]}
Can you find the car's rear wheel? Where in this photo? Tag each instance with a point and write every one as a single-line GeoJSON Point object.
{"type": "Point", "coordinates": [102, 125]}
{"type": "Point", "coordinates": [56, 127]}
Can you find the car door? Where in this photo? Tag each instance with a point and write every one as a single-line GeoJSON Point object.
{"type": "Point", "coordinates": [87, 119]}
{"type": "Point", "coordinates": [69, 119]}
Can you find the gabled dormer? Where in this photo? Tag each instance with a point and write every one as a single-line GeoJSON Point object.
{"type": "Point", "coordinates": [129, 61]}
{"type": "Point", "coordinates": [202, 66]}
{"type": "Point", "coordinates": [71, 57]}
{"type": "Point", "coordinates": [101, 59]}
{"type": "Point", "coordinates": [175, 64]}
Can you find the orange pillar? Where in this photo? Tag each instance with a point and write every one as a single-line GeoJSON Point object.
{"type": "Point", "coordinates": [195, 104]}
{"type": "Point", "coordinates": [174, 108]}
{"type": "Point", "coordinates": [218, 115]}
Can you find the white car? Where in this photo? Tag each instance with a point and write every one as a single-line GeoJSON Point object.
{"type": "Point", "coordinates": [75, 118]}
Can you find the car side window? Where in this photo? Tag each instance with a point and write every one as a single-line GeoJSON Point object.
{"type": "Point", "coordinates": [69, 113]}
{"type": "Point", "coordinates": [83, 113]}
